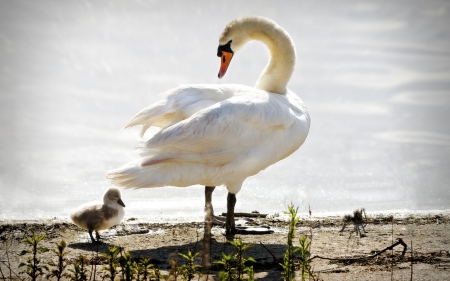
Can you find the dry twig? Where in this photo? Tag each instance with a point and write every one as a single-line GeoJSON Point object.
{"type": "Point", "coordinates": [352, 260]}
{"type": "Point", "coordinates": [273, 256]}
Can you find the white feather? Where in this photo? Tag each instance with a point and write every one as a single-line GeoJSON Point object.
{"type": "Point", "coordinates": [222, 134]}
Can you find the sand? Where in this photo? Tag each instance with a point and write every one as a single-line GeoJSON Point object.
{"type": "Point", "coordinates": [429, 236]}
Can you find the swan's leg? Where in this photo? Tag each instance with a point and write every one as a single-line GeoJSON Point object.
{"type": "Point", "coordinates": [216, 220]}
{"type": "Point", "coordinates": [97, 235]}
{"type": "Point", "coordinates": [209, 217]}
{"type": "Point", "coordinates": [230, 227]}
{"type": "Point", "coordinates": [229, 224]}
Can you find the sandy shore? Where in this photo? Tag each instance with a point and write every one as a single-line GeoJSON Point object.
{"type": "Point", "coordinates": [429, 236]}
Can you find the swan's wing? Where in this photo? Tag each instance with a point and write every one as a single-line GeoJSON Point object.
{"type": "Point", "coordinates": [217, 134]}
{"type": "Point", "coordinates": [180, 103]}
{"type": "Point", "coordinates": [227, 141]}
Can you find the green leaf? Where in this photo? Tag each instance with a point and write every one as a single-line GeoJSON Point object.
{"type": "Point", "coordinates": [42, 249]}
{"type": "Point", "coordinates": [251, 259]}
{"type": "Point", "coordinates": [27, 240]}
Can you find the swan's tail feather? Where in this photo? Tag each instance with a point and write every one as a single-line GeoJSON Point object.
{"type": "Point", "coordinates": [149, 115]}
{"type": "Point", "coordinates": [159, 114]}
{"type": "Point", "coordinates": [144, 129]}
{"type": "Point", "coordinates": [133, 175]}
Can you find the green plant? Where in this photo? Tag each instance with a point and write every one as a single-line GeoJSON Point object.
{"type": "Point", "coordinates": [304, 251]}
{"type": "Point", "coordinates": [305, 265]}
{"type": "Point", "coordinates": [144, 269]}
{"type": "Point", "coordinates": [79, 271]}
{"type": "Point", "coordinates": [227, 274]}
{"type": "Point", "coordinates": [190, 268]}
{"type": "Point", "coordinates": [61, 264]}
{"type": "Point", "coordinates": [288, 257]}
{"type": "Point", "coordinates": [111, 258]}
{"type": "Point", "coordinates": [128, 267]}
{"type": "Point", "coordinates": [250, 273]}
{"type": "Point", "coordinates": [234, 264]}
{"type": "Point", "coordinates": [157, 274]}
{"type": "Point", "coordinates": [174, 268]}
{"type": "Point", "coordinates": [240, 259]}
{"type": "Point", "coordinates": [32, 263]}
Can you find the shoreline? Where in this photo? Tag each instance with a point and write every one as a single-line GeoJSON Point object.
{"type": "Point", "coordinates": [398, 214]}
{"type": "Point", "coordinates": [430, 235]}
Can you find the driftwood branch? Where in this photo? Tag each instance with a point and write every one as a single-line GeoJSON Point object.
{"type": "Point", "coordinates": [247, 215]}
{"type": "Point", "coordinates": [351, 260]}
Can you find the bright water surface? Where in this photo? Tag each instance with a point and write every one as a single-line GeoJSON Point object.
{"type": "Point", "coordinates": [374, 75]}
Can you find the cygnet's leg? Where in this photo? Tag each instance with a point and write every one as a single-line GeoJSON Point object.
{"type": "Point", "coordinates": [209, 218]}
{"type": "Point", "coordinates": [97, 235]}
{"type": "Point", "coordinates": [92, 237]}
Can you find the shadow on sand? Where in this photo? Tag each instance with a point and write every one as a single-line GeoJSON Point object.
{"type": "Point", "coordinates": [88, 246]}
{"type": "Point", "coordinates": [264, 255]}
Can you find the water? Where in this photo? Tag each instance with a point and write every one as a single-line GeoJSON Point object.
{"type": "Point", "coordinates": [374, 75]}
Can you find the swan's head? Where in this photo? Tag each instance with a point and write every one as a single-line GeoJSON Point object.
{"type": "Point", "coordinates": [226, 54]}
{"type": "Point", "coordinates": [233, 38]}
{"type": "Point", "coordinates": [113, 195]}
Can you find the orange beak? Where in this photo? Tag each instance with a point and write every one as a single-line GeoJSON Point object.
{"type": "Point", "coordinates": [225, 60]}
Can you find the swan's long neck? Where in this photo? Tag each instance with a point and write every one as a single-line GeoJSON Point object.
{"type": "Point", "coordinates": [277, 73]}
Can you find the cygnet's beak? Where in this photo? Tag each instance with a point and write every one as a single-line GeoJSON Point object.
{"type": "Point", "coordinates": [225, 60]}
{"type": "Point", "coordinates": [120, 202]}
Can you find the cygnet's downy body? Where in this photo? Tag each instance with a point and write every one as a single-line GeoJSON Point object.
{"type": "Point", "coordinates": [95, 216]}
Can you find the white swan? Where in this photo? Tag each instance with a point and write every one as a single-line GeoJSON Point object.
{"type": "Point", "coordinates": [95, 216]}
{"type": "Point", "coordinates": [222, 134]}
